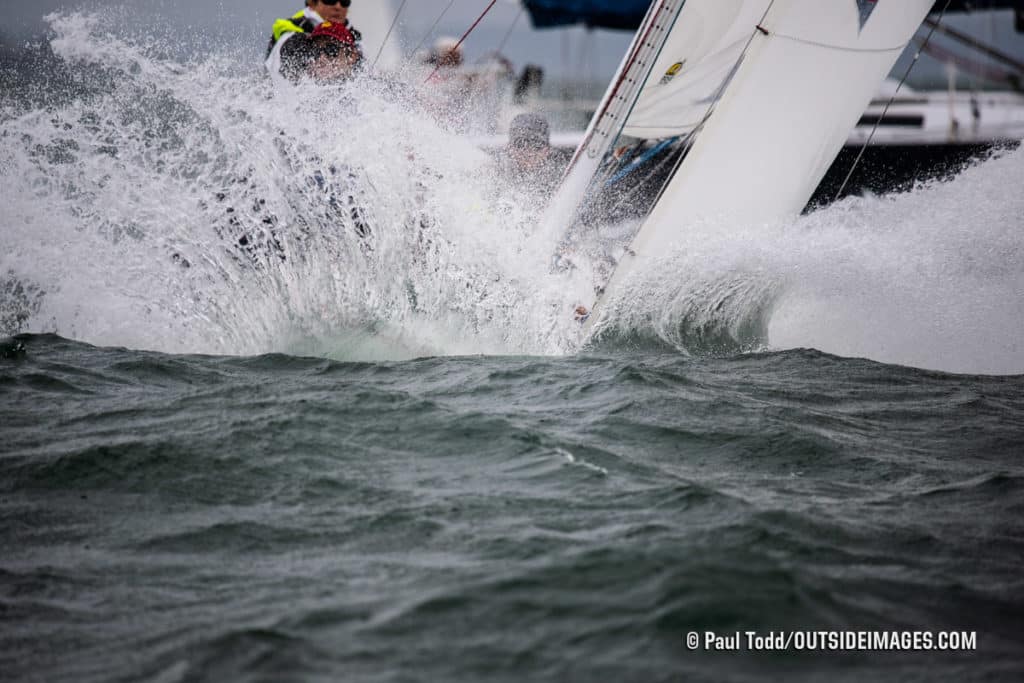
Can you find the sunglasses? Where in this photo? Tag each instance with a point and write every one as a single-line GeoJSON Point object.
{"type": "Point", "coordinates": [528, 145]}
{"type": "Point", "coordinates": [333, 49]}
{"type": "Point", "coordinates": [343, 3]}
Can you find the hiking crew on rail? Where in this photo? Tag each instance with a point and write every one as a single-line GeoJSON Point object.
{"type": "Point", "coordinates": [292, 47]}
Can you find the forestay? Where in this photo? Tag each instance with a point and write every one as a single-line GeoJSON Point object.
{"type": "Point", "coordinates": [743, 103]}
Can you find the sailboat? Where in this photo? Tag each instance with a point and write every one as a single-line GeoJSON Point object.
{"type": "Point", "coordinates": [727, 109]}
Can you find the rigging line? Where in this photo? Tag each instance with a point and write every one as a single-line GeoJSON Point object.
{"type": "Point", "coordinates": [985, 71]}
{"type": "Point", "coordinates": [394, 22]}
{"type": "Point", "coordinates": [839, 48]}
{"type": "Point", "coordinates": [430, 31]}
{"type": "Point", "coordinates": [464, 36]}
{"type": "Point", "coordinates": [581, 52]}
{"type": "Point", "coordinates": [508, 34]}
{"type": "Point", "coordinates": [975, 44]}
{"type": "Point", "coordinates": [633, 193]}
{"type": "Point", "coordinates": [885, 110]}
{"type": "Point", "coordinates": [566, 56]}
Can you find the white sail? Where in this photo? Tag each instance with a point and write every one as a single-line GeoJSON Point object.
{"type": "Point", "coordinates": [758, 97]}
{"type": "Point", "coordinates": [374, 19]}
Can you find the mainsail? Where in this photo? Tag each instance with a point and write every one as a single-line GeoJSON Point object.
{"type": "Point", "coordinates": [729, 108]}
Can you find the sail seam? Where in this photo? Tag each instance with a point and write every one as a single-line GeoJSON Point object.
{"type": "Point", "coordinates": [840, 48]}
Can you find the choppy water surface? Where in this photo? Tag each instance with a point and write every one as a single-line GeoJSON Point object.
{"type": "Point", "coordinates": [476, 518]}
{"type": "Point", "coordinates": [399, 461]}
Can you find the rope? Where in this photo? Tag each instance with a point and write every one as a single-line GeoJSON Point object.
{"type": "Point", "coordinates": [427, 35]}
{"type": "Point", "coordinates": [466, 35]}
{"type": "Point", "coordinates": [878, 122]}
{"type": "Point", "coordinates": [837, 48]}
{"type": "Point", "coordinates": [386, 37]}
{"type": "Point", "coordinates": [978, 46]}
{"type": "Point", "coordinates": [983, 70]}
{"type": "Point", "coordinates": [508, 35]}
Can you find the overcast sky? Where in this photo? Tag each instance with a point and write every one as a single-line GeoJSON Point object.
{"type": "Point", "coordinates": [251, 21]}
{"type": "Point", "coordinates": [572, 51]}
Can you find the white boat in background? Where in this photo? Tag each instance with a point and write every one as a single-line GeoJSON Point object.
{"type": "Point", "coordinates": [936, 117]}
{"type": "Point", "coordinates": [914, 118]}
{"type": "Point", "coordinates": [923, 135]}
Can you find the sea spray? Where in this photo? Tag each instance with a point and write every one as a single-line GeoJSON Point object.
{"type": "Point", "coordinates": [141, 211]}
{"type": "Point", "coordinates": [153, 215]}
{"type": "Point", "coordinates": [933, 277]}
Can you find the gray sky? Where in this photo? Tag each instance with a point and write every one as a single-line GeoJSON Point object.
{"type": "Point", "coordinates": [562, 51]}
{"type": "Point", "coordinates": [252, 19]}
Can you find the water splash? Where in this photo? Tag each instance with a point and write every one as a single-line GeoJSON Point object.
{"type": "Point", "coordinates": [185, 208]}
{"type": "Point", "coordinates": [182, 207]}
{"type": "Point", "coordinates": [931, 278]}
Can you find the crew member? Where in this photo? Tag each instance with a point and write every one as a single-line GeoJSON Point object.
{"type": "Point", "coordinates": [528, 162]}
{"type": "Point", "coordinates": [335, 55]}
{"type": "Point", "coordinates": [288, 62]}
{"type": "Point", "coordinates": [447, 53]}
{"type": "Point", "coordinates": [534, 169]}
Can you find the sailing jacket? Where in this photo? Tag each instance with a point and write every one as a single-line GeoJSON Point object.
{"type": "Point", "coordinates": [289, 51]}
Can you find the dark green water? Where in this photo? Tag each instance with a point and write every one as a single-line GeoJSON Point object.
{"type": "Point", "coordinates": [184, 518]}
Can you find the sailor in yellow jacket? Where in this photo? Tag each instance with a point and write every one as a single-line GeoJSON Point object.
{"type": "Point", "coordinates": [286, 53]}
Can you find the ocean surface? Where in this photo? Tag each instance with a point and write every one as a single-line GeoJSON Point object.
{"type": "Point", "coordinates": [289, 391]}
{"type": "Point", "coordinates": [275, 518]}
